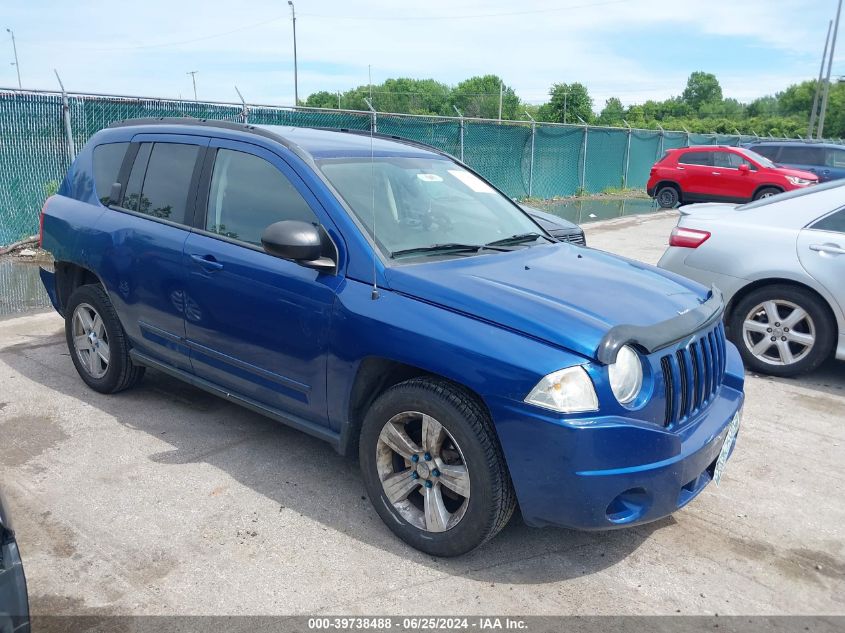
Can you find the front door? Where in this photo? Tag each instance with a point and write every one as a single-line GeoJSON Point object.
{"type": "Point", "coordinates": [821, 249]}
{"type": "Point", "coordinates": [256, 324]}
{"type": "Point", "coordinates": [735, 184]}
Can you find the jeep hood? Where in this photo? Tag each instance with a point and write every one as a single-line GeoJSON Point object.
{"type": "Point", "coordinates": [565, 295]}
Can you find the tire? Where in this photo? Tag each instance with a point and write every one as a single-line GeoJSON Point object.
{"type": "Point", "coordinates": [667, 197]}
{"type": "Point", "coordinates": [767, 192]}
{"type": "Point", "coordinates": [467, 447]}
{"type": "Point", "coordinates": [771, 312]}
{"type": "Point", "coordinates": [110, 372]}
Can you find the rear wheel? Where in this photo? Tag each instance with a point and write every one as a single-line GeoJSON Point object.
{"type": "Point", "coordinates": [767, 192]}
{"type": "Point", "coordinates": [433, 468]}
{"type": "Point", "coordinates": [97, 342]}
{"type": "Point", "coordinates": [782, 330]}
{"type": "Point", "coordinates": [667, 197]}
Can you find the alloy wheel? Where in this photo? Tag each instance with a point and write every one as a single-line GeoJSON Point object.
{"type": "Point", "coordinates": [90, 340]}
{"type": "Point", "coordinates": [779, 332]}
{"type": "Point", "coordinates": [422, 471]}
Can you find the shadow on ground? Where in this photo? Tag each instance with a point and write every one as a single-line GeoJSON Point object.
{"type": "Point", "coordinates": [306, 476]}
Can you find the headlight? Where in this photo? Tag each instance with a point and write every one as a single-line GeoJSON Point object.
{"type": "Point", "coordinates": [626, 375]}
{"type": "Point", "coordinates": [568, 390]}
{"type": "Point", "coordinates": [795, 180]}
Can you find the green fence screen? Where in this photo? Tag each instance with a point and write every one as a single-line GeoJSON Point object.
{"type": "Point", "coordinates": [522, 159]}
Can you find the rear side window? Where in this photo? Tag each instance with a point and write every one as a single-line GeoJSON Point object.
{"type": "Point", "coordinates": [248, 194]}
{"type": "Point", "coordinates": [107, 161]}
{"type": "Point", "coordinates": [696, 158]}
{"type": "Point", "coordinates": [800, 155]}
{"type": "Point", "coordinates": [834, 222]}
{"type": "Point", "coordinates": [160, 180]}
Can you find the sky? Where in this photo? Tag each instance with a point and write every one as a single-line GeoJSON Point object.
{"type": "Point", "coordinates": [633, 49]}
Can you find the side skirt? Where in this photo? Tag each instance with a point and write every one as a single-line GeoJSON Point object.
{"type": "Point", "coordinates": [296, 422]}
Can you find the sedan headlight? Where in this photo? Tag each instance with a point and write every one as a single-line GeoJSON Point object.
{"type": "Point", "coordinates": [626, 375]}
{"type": "Point", "coordinates": [568, 390]}
{"type": "Point", "coordinates": [795, 180]}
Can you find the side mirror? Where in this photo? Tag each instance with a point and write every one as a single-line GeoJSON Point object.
{"type": "Point", "coordinates": [744, 169]}
{"type": "Point", "coordinates": [298, 241]}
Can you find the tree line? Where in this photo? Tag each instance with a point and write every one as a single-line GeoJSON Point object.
{"type": "Point", "coordinates": [700, 108]}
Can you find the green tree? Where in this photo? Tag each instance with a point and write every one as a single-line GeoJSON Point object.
{"type": "Point", "coordinates": [479, 97]}
{"type": "Point", "coordinates": [568, 102]}
{"type": "Point", "coordinates": [613, 113]}
{"type": "Point", "coordinates": [702, 88]}
{"type": "Point", "coordinates": [321, 99]}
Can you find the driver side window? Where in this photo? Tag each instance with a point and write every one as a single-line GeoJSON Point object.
{"type": "Point", "coordinates": [248, 194]}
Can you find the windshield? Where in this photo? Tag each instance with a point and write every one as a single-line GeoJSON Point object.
{"type": "Point", "coordinates": [419, 203]}
{"type": "Point", "coordinates": [758, 158]}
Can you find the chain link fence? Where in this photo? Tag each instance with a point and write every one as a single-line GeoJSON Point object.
{"type": "Point", "coordinates": [39, 132]}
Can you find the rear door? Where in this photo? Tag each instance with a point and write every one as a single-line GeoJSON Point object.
{"type": "Point", "coordinates": [695, 173]}
{"type": "Point", "coordinates": [821, 249]}
{"type": "Point", "coordinates": [256, 324]}
{"type": "Point", "coordinates": [143, 268]}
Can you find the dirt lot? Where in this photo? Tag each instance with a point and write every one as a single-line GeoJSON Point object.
{"type": "Point", "coordinates": [167, 500]}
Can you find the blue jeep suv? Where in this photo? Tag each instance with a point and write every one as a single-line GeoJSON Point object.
{"type": "Point", "coordinates": [380, 295]}
{"type": "Point", "coordinates": [826, 160]}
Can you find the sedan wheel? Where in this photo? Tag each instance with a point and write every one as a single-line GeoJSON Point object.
{"type": "Point", "coordinates": [779, 332]}
{"type": "Point", "coordinates": [422, 471]}
{"type": "Point", "coordinates": [782, 329]}
{"type": "Point", "coordinates": [90, 340]}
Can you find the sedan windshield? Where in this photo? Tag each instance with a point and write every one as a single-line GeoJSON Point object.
{"type": "Point", "coordinates": [419, 207]}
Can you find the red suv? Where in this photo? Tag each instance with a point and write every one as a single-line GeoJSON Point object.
{"type": "Point", "coordinates": [720, 174]}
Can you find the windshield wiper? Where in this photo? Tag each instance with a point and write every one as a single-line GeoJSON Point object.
{"type": "Point", "coordinates": [520, 238]}
{"type": "Point", "coordinates": [451, 247]}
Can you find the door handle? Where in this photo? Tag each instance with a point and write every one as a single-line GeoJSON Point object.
{"type": "Point", "coordinates": [717, 173]}
{"type": "Point", "coordinates": [831, 249]}
{"type": "Point", "coordinates": [207, 262]}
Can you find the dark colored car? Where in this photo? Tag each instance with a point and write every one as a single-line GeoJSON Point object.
{"type": "Point", "coordinates": [825, 160]}
{"type": "Point", "coordinates": [711, 173]}
{"type": "Point", "coordinates": [14, 607]}
{"type": "Point", "coordinates": [559, 228]}
{"type": "Point", "coordinates": [385, 298]}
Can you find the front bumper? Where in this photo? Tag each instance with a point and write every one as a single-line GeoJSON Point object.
{"type": "Point", "coordinates": [608, 472]}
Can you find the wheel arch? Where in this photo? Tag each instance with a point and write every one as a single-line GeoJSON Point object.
{"type": "Point", "coordinates": [743, 292]}
{"type": "Point", "coordinates": [374, 376]}
{"type": "Point", "coordinates": [69, 277]}
{"type": "Point", "coordinates": [766, 186]}
{"type": "Point", "coordinates": [669, 183]}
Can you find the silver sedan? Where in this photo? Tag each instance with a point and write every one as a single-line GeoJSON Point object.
{"type": "Point", "coordinates": [780, 263]}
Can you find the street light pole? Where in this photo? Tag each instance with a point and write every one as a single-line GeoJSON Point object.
{"type": "Point", "coordinates": [829, 65]}
{"type": "Point", "coordinates": [15, 50]}
{"type": "Point", "coordinates": [295, 70]}
{"type": "Point", "coordinates": [193, 74]}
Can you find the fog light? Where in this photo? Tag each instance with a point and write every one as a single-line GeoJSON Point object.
{"type": "Point", "coordinates": [628, 506]}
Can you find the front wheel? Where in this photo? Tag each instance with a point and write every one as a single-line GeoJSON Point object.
{"type": "Point", "coordinates": [667, 197]}
{"type": "Point", "coordinates": [767, 192]}
{"type": "Point", "coordinates": [433, 468]}
{"type": "Point", "coordinates": [782, 330]}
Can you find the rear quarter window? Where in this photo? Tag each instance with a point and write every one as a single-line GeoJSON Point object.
{"type": "Point", "coordinates": [835, 223]}
{"type": "Point", "coordinates": [107, 161]}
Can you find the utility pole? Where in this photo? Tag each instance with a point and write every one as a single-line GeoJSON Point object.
{"type": "Point", "coordinates": [15, 51]}
{"type": "Point", "coordinates": [193, 74]}
{"type": "Point", "coordinates": [814, 112]}
{"type": "Point", "coordinates": [501, 94]}
{"type": "Point", "coordinates": [829, 67]}
{"type": "Point", "coordinates": [295, 69]}
{"type": "Point", "coordinates": [370, 79]}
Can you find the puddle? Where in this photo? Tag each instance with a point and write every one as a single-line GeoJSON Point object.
{"type": "Point", "coordinates": [20, 288]}
{"type": "Point", "coordinates": [584, 211]}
